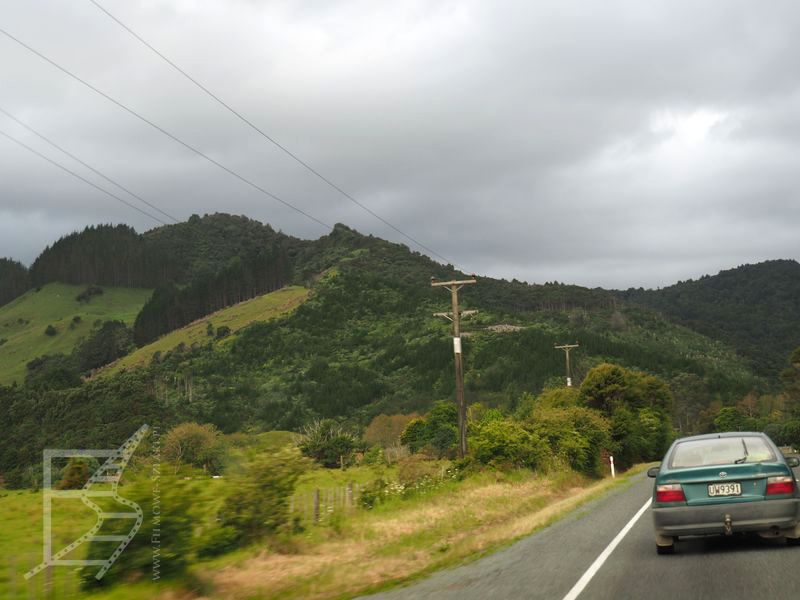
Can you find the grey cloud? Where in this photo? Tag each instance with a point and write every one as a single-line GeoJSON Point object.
{"type": "Point", "coordinates": [518, 139]}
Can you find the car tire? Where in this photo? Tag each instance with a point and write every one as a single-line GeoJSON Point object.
{"type": "Point", "coordinates": [665, 549]}
{"type": "Point", "coordinates": [793, 541]}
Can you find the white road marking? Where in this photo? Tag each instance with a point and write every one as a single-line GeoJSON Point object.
{"type": "Point", "coordinates": [592, 571]}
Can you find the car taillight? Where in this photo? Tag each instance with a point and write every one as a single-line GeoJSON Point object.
{"type": "Point", "coordinates": [780, 485]}
{"type": "Point", "coordinates": [672, 492]}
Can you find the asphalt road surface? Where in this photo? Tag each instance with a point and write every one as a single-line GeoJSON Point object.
{"type": "Point", "coordinates": [549, 564]}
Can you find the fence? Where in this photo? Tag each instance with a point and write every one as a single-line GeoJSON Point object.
{"type": "Point", "coordinates": [321, 504]}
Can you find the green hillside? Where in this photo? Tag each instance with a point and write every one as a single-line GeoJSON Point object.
{"type": "Point", "coordinates": [262, 308]}
{"type": "Point", "coordinates": [753, 308]}
{"type": "Point", "coordinates": [24, 320]}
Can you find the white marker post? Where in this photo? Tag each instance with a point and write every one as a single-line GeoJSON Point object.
{"type": "Point", "coordinates": [613, 472]}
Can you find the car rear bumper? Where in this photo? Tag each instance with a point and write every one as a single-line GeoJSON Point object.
{"type": "Point", "coordinates": [760, 515]}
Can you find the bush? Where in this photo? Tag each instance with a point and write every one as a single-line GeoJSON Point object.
{"type": "Point", "coordinates": [74, 475]}
{"type": "Point", "coordinates": [166, 505]}
{"type": "Point", "coordinates": [505, 443]}
{"type": "Point", "coordinates": [575, 435]}
{"type": "Point", "coordinates": [51, 331]}
{"type": "Point", "coordinates": [259, 502]}
{"type": "Point", "coordinates": [416, 469]}
{"type": "Point", "coordinates": [223, 331]}
{"type": "Point", "coordinates": [196, 445]}
{"type": "Point", "coordinates": [88, 293]}
{"type": "Point", "coordinates": [437, 431]}
{"type": "Point", "coordinates": [326, 442]}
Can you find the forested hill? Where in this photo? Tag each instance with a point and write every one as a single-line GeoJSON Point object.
{"type": "Point", "coordinates": [14, 280]}
{"type": "Point", "coordinates": [116, 255]}
{"type": "Point", "coordinates": [753, 308]}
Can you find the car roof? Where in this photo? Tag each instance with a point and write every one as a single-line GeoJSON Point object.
{"type": "Point", "coordinates": [726, 434]}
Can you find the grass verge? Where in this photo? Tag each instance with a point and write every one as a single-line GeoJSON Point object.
{"type": "Point", "coordinates": [404, 540]}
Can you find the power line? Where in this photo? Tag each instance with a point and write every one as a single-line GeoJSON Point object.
{"type": "Point", "coordinates": [91, 168]}
{"type": "Point", "coordinates": [74, 174]}
{"type": "Point", "coordinates": [164, 131]}
{"type": "Point", "coordinates": [266, 136]}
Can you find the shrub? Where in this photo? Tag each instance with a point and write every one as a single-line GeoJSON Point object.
{"type": "Point", "coordinates": [259, 502]}
{"type": "Point", "coordinates": [88, 293]}
{"type": "Point", "coordinates": [74, 475]}
{"type": "Point", "coordinates": [505, 443]}
{"type": "Point", "coordinates": [166, 505]}
{"type": "Point", "coordinates": [326, 442]}
{"type": "Point", "coordinates": [223, 331]}
{"type": "Point", "coordinates": [437, 431]}
{"type": "Point", "coordinates": [575, 435]}
{"type": "Point", "coordinates": [415, 469]}
{"type": "Point", "coordinates": [51, 331]}
{"type": "Point", "coordinates": [193, 444]}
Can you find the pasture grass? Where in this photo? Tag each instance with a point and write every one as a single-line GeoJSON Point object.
{"type": "Point", "coordinates": [23, 322]}
{"type": "Point", "coordinates": [262, 308]}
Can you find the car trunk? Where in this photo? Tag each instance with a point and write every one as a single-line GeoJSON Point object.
{"type": "Point", "coordinates": [752, 477]}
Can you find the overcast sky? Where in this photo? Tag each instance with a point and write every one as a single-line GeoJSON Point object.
{"type": "Point", "coordinates": [610, 144]}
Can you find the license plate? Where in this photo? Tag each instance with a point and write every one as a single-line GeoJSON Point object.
{"type": "Point", "coordinates": [725, 489]}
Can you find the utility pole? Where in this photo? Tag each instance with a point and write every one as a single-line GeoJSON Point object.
{"type": "Point", "coordinates": [455, 317]}
{"type": "Point", "coordinates": [566, 348]}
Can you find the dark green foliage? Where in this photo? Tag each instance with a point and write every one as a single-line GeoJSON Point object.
{"type": "Point", "coordinates": [222, 332]}
{"type": "Point", "coordinates": [754, 308]}
{"type": "Point", "coordinates": [575, 435]}
{"type": "Point", "coordinates": [167, 531]}
{"type": "Point", "coordinates": [732, 419]}
{"type": "Point", "coordinates": [94, 415]}
{"type": "Point", "coordinates": [75, 475]}
{"type": "Point", "coordinates": [14, 280]}
{"type": "Point", "coordinates": [113, 340]}
{"type": "Point", "coordinates": [437, 431]}
{"type": "Point", "coordinates": [172, 307]}
{"type": "Point", "coordinates": [639, 408]}
{"type": "Point", "coordinates": [52, 372]}
{"type": "Point", "coordinates": [259, 503]}
{"type": "Point", "coordinates": [506, 443]}
{"type": "Point", "coordinates": [51, 331]}
{"type": "Point", "coordinates": [329, 444]}
{"type": "Point", "coordinates": [209, 329]}
{"type": "Point", "coordinates": [89, 293]}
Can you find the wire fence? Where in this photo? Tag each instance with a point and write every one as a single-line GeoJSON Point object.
{"type": "Point", "coordinates": [321, 505]}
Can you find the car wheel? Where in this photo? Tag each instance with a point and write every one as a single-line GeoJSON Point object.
{"type": "Point", "coordinates": [665, 549]}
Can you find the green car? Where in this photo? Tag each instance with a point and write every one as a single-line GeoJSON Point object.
{"type": "Point", "coordinates": [723, 483]}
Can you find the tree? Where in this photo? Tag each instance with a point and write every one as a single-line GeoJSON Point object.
{"type": "Point", "coordinates": [690, 395]}
{"type": "Point", "coordinates": [731, 419]}
{"type": "Point", "coordinates": [113, 340]}
{"type": "Point", "coordinates": [438, 430]}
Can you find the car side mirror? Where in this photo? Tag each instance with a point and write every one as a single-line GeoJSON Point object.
{"type": "Point", "coordinates": [793, 461]}
{"type": "Point", "coordinates": [653, 471]}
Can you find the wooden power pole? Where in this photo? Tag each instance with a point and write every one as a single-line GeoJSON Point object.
{"type": "Point", "coordinates": [455, 317]}
{"type": "Point", "coordinates": [566, 348]}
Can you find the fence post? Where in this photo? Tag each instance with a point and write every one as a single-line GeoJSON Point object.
{"type": "Point", "coordinates": [316, 506]}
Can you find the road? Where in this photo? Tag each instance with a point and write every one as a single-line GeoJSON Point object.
{"type": "Point", "coordinates": [549, 564]}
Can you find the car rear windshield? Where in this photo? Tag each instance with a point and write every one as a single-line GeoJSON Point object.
{"type": "Point", "coordinates": [721, 451]}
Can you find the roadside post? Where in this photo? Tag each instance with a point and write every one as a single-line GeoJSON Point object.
{"type": "Point", "coordinates": [613, 472]}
